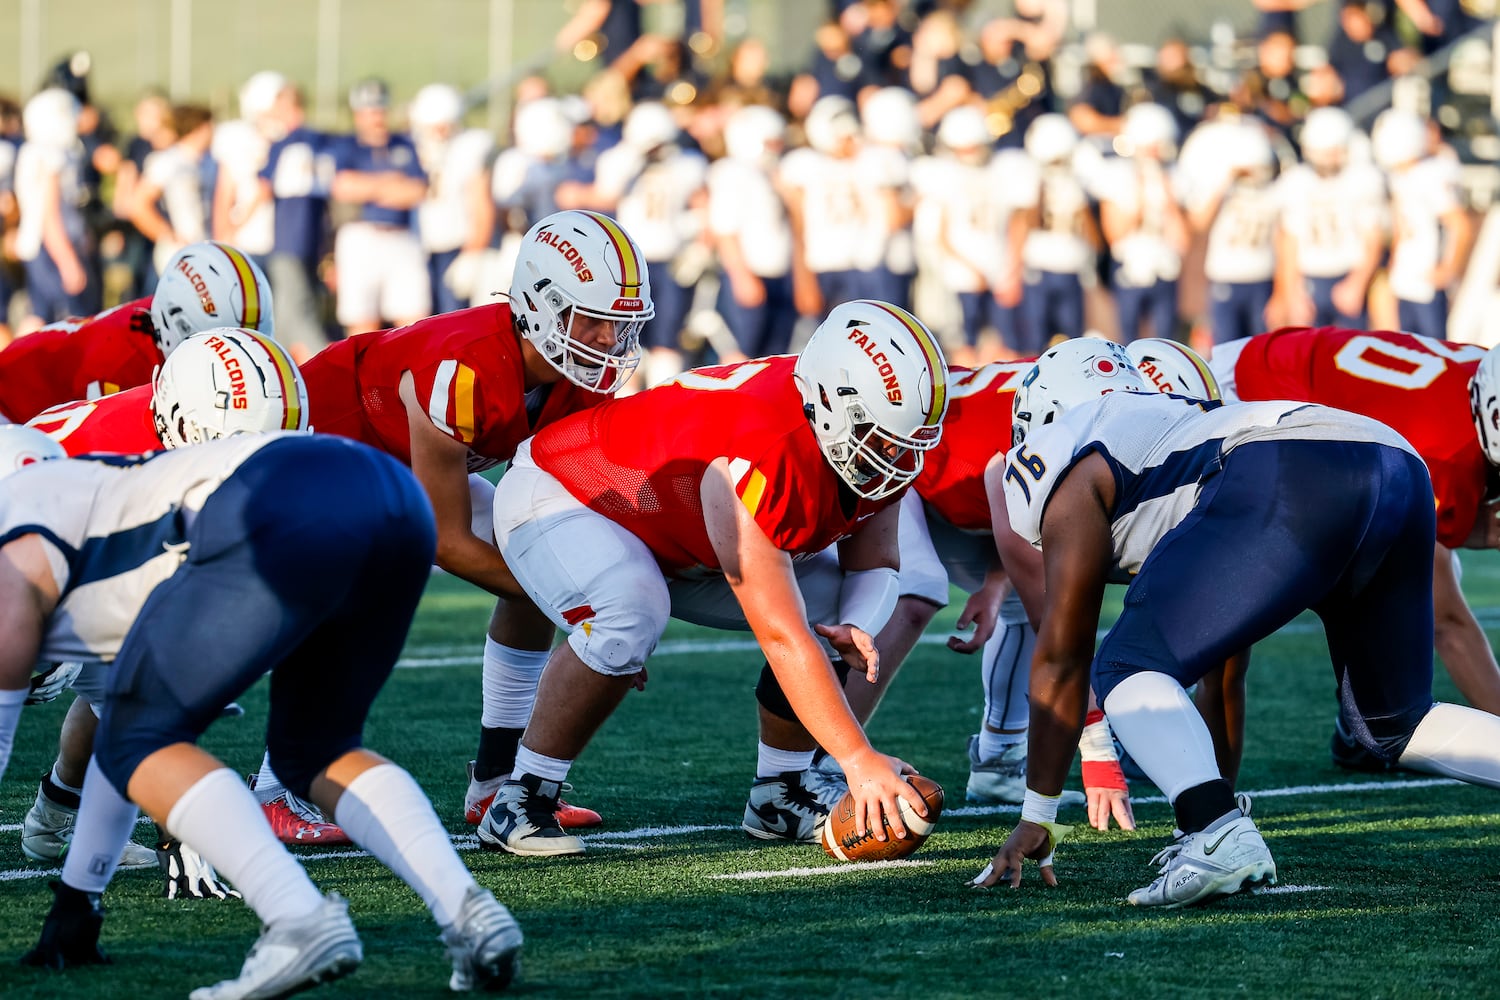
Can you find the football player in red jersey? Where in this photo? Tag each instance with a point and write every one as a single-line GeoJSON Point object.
{"type": "Point", "coordinates": [1433, 394]}
{"type": "Point", "coordinates": [206, 285]}
{"type": "Point", "coordinates": [218, 383]}
{"type": "Point", "coordinates": [715, 498]}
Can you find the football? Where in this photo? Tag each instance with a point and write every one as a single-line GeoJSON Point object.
{"type": "Point", "coordinates": [842, 840]}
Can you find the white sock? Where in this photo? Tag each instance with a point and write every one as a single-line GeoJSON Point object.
{"type": "Point", "coordinates": [531, 762]}
{"type": "Point", "coordinates": [105, 820]}
{"type": "Point", "coordinates": [1007, 671]}
{"type": "Point", "coordinates": [769, 761]}
{"type": "Point", "coordinates": [1159, 727]}
{"type": "Point", "coordinates": [384, 811]}
{"type": "Point", "coordinates": [267, 785]}
{"type": "Point", "coordinates": [221, 819]}
{"type": "Point", "coordinates": [10, 718]}
{"type": "Point", "coordinates": [510, 680]}
{"type": "Point", "coordinates": [992, 745]}
{"type": "Point", "coordinates": [1456, 742]}
{"type": "Point", "coordinates": [57, 780]}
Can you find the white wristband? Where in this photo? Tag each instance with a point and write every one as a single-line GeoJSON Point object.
{"type": "Point", "coordinates": [1097, 743]}
{"type": "Point", "coordinates": [1039, 808]}
{"type": "Point", "coordinates": [867, 597]}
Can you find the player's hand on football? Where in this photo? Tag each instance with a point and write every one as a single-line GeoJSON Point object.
{"type": "Point", "coordinates": [1027, 840]}
{"type": "Point", "coordinates": [876, 782]}
{"type": "Point", "coordinates": [189, 875]}
{"type": "Point", "coordinates": [50, 683]}
{"type": "Point", "coordinates": [982, 611]}
{"type": "Point", "coordinates": [1107, 802]}
{"type": "Point", "coordinates": [854, 646]}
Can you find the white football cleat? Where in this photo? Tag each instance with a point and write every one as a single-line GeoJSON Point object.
{"type": "Point", "coordinates": [1001, 779]}
{"type": "Point", "coordinates": [47, 833]}
{"type": "Point", "coordinates": [1229, 856]}
{"type": "Point", "coordinates": [294, 956]}
{"type": "Point", "coordinates": [791, 806]}
{"type": "Point", "coordinates": [523, 820]}
{"type": "Point", "coordinates": [484, 942]}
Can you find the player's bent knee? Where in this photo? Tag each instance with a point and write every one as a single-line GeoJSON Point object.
{"type": "Point", "coordinates": [771, 697]}
{"type": "Point", "coordinates": [617, 642]}
{"type": "Point", "coordinates": [298, 763]}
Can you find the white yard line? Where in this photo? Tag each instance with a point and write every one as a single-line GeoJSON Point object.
{"type": "Point", "coordinates": [1293, 888]}
{"type": "Point", "coordinates": [849, 869]}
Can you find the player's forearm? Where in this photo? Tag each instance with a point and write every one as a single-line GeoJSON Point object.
{"type": "Point", "coordinates": [471, 558]}
{"type": "Point", "coordinates": [1059, 701]}
{"type": "Point", "coordinates": [813, 691]}
{"type": "Point", "coordinates": [399, 191]}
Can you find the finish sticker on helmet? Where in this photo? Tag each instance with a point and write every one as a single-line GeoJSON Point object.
{"type": "Point", "coordinates": [249, 286]}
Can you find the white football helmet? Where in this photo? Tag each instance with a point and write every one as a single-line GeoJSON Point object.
{"type": "Point", "coordinates": [890, 118]}
{"type": "Point", "coordinates": [964, 128]}
{"type": "Point", "coordinates": [436, 105]}
{"type": "Point", "coordinates": [259, 94]}
{"type": "Point", "coordinates": [1247, 147]}
{"type": "Point", "coordinates": [1327, 130]}
{"type": "Point", "coordinates": [542, 129]}
{"type": "Point", "coordinates": [874, 387]}
{"type": "Point", "coordinates": [648, 125]}
{"type": "Point", "coordinates": [225, 382]}
{"type": "Point", "coordinates": [1399, 137]}
{"type": "Point", "coordinates": [206, 286]}
{"type": "Point", "coordinates": [1071, 373]}
{"type": "Point", "coordinates": [1484, 401]}
{"type": "Point", "coordinates": [1173, 367]}
{"type": "Point", "coordinates": [574, 264]}
{"type": "Point", "coordinates": [1051, 139]}
{"type": "Point", "coordinates": [21, 445]}
{"type": "Point", "coordinates": [750, 130]}
{"type": "Point", "coordinates": [830, 123]}
{"type": "Point", "coordinates": [51, 118]}
{"type": "Point", "coordinates": [1152, 125]}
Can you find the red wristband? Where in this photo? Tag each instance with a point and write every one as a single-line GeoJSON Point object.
{"type": "Point", "coordinates": [1104, 774]}
{"type": "Point", "coordinates": [1095, 715]}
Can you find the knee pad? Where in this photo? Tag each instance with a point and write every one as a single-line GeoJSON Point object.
{"type": "Point", "coordinates": [617, 642]}
{"type": "Point", "coordinates": [772, 698]}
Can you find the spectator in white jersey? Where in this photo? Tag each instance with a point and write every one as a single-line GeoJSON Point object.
{"type": "Point", "coordinates": [458, 216]}
{"type": "Point", "coordinates": [296, 180]}
{"type": "Point", "coordinates": [52, 239]}
{"type": "Point", "coordinates": [242, 215]}
{"type": "Point", "coordinates": [1062, 237]}
{"type": "Point", "coordinates": [170, 208]}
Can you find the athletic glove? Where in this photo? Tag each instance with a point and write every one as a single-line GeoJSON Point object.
{"type": "Point", "coordinates": [53, 681]}
{"type": "Point", "coordinates": [189, 875]}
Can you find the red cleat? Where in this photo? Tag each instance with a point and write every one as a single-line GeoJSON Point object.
{"type": "Point", "coordinates": [293, 822]}
{"type": "Point", "coordinates": [482, 793]}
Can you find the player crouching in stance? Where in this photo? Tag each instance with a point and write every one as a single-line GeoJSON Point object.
{"type": "Point", "coordinates": [192, 573]}
{"type": "Point", "coordinates": [694, 500]}
{"type": "Point", "coordinates": [1232, 520]}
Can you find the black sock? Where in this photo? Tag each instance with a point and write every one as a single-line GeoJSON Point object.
{"type": "Point", "coordinates": [57, 793]}
{"type": "Point", "coordinates": [1202, 804]}
{"type": "Point", "coordinates": [497, 753]}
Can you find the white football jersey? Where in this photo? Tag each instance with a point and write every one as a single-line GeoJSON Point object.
{"type": "Point", "coordinates": [1420, 196]}
{"type": "Point", "coordinates": [1161, 448]}
{"type": "Point", "coordinates": [1146, 188]}
{"type": "Point", "coordinates": [1057, 244]}
{"type": "Point", "coordinates": [240, 151]}
{"type": "Point", "coordinates": [181, 182]}
{"type": "Point", "coordinates": [1242, 239]}
{"type": "Point", "coordinates": [34, 164]}
{"type": "Point", "coordinates": [888, 168]}
{"type": "Point", "coordinates": [743, 203]}
{"type": "Point", "coordinates": [443, 216]}
{"type": "Point", "coordinates": [114, 527]}
{"type": "Point", "coordinates": [654, 197]}
{"type": "Point", "coordinates": [838, 209]}
{"type": "Point", "coordinates": [970, 208]}
{"type": "Point", "coordinates": [1330, 219]}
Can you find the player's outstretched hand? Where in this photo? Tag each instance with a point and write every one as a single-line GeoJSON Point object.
{"type": "Point", "coordinates": [876, 782]}
{"type": "Point", "coordinates": [189, 875]}
{"type": "Point", "coordinates": [1028, 840]}
{"type": "Point", "coordinates": [854, 646]}
{"type": "Point", "coordinates": [1105, 802]}
{"type": "Point", "coordinates": [982, 611]}
{"type": "Point", "coordinates": [70, 934]}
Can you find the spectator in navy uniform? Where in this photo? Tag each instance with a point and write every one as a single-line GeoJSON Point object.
{"type": "Point", "coordinates": [1364, 50]}
{"type": "Point", "coordinates": [378, 261]}
{"type": "Point", "coordinates": [835, 70]}
{"type": "Point", "coordinates": [297, 177]}
{"type": "Point", "coordinates": [1174, 84]}
{"type": "Point", "coordinates": [1014, 78]}
{"type": "Point", "coordinates": [1099, 107]}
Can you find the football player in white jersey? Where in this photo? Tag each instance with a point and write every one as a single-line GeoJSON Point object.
{"type": "Point", "coordinates": [1061, 239]}
{"type": "Point", "coordinates": [1431, 233]}
{"type": "Point", "coordinates": [1143, 223]}
{"type": "Point", "coordinates": [1178, 492]}
{"type": "Point", "coordinates": [965, 197]}
{"type": "Point", "coordinates": [748, 222]}
{"type": "Point", "coordinates": [211, 534]}
{"type": "Point", "coordinates": [893, 135]}
{"type": "Point", "coordinates": [52, 239]}
{"type": "Point", "coordinates": [1332, 228]}
{"type": "Point", "coordinates": [655, 188]}
{"type": "Point", "coordinates": [457, 218]}
{"type": "Point", "coordinates": [525, 180]}
{"type": "Point", "coordinates": [242, 214]}
{"type": "Point", "coordinates": [1238, 211]}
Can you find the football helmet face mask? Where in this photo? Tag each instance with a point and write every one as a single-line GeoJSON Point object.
{"type": "Point", "coordinates": [206, 286]}
{"type": "Point", "coordinates": [1484, 402]}
{"type": "Point", "coordinates": [1074, 372]}
{"type": "Point", "coordinates": [226, 382]}
{"type": "Point", "coordinates": [20, 446]}
{"type": "Point", "coordinates": [1173, 367]}
{"type": "Point", "coordinates": [874, 387]}
{"type": "Point", "coordinates": [578, 271]}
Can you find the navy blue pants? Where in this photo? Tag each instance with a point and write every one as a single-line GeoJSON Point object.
{"type": "Point", "coordinates": [1156, 303]}
{"type": "Point", "coordinates": [44, 289]}
{"type": "Point", "coordinates": [306, 563]}
{"type": "Point", "coordinates": [1430, 319]}
{"type": "Point", "coordinates": [979, 310]}
{"type": "Point", "coordinates": [1325, 313]}
{"type": "Point", "coordinates": [444, 299]}
{"type": "Point", "coordinates": [672, 302]}
{"type": "Point", "coordinates": [1344, 529]}
{"type": "Point", "coordinates": [1237, 310]}
{"type": "Point", "coordinates": [838, 287]}
{"type": "Point", "coordinates": [765, 329]}
{"type": "Point", "coordinates": [885, 285]}
{"type": "Point", "coordinates": [1051, 306]}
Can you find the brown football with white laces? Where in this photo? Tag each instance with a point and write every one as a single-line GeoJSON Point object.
{"type": "Point", "coordinates": [841, 838]}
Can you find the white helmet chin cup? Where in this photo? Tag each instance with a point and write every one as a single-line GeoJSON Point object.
{"type": "Point", "coordinates": [874, 387]}
{"type": "Point", "coordinates": [1484, 401]}
{"type": "Point", "coordinates": [575, 269]}
{"type": "Point", "coordinates": [1173, 367]}
{"type": "Point", "coordinates": [20, 446]}
{"type": "Point", "coordinates": [207, 286]}
{"type": "Point", "coordinates": [226, 382]}
{"type": "Point", "coordinates": [1074, 372]}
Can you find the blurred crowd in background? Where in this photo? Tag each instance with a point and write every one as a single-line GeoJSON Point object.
{"type": "Point", "coordinates": [1012, 179]}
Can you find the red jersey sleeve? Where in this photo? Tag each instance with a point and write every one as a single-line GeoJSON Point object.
{"type": "Point", "coordinates": [121, 424]}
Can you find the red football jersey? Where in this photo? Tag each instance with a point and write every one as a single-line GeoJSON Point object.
{"type": "Point", "coordinates": [78, 359]}
{"type": "Point", "coordinates": [1415, 385]}
{"type": "Point", "coordinates": [640, 462]}
{"type": "Point", "coordinates": [976, 429]}
{"type": "Point", "coordinates": [120, 424]}
{"type": "Point", "coordinates": [468, 371]}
